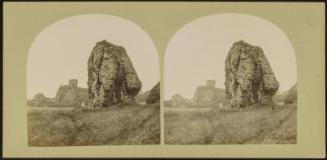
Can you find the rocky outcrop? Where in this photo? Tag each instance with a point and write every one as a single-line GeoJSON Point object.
{"type": "Point", "coordinates": [154, 95]}
{"type": "Point", "coordinates": [112, 78]}
{"type": "Point", "coordinates": [208, 95]}
{"type": "Point", "coordinates": [248, 76]}
{"type": "Point", "coordinates": [291, 96]}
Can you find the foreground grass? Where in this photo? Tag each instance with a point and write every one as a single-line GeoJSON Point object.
{"type": "Point", "coordinates": [117, 125]}
{"type": "Point", "coordinates": [252, 125]}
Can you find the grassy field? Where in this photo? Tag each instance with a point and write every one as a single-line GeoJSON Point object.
{"type": "Point", "coordinates": [121, 125]}
{"type": "Point", "coordinates": [252, 125]}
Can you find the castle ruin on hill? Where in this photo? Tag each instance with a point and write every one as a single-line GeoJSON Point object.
{"type": "Point", "coordinates": [208, 95]}
{"type": "Point", "coordinates": [71, 93]}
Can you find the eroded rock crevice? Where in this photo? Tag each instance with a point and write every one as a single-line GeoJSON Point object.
{"type": "Point", "coordinates": [249, 77]}
{"type": "Point", "coordinates": [112, 78]}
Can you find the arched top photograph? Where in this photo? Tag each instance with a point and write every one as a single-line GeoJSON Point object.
{"type": "Point", "coordinates": [61, 51]}
{"type": "Point", "coordinates": [92, 80]}
{"type": "Point", "coordinates": [230, 71]}
{"type": "Point", "coordinates": [197, 52]}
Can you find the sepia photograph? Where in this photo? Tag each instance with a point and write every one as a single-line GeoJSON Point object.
{"type": "Point", "coordinates": [163, 79]}
{"type": "Point", "coordinates": [230, 79]}
{"type": "Point", "coordinates": [88, 84]}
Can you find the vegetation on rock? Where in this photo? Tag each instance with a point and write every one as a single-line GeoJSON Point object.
{"type": "Point", "coordinates": [112, 78]}
{"type": "Point", "coordinates": [249, 78]}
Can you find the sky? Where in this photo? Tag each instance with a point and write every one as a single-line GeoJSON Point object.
{"type": "Point", "coordinates": [61, 50]}
{"type": "Point", "coordinates": [198, 50]}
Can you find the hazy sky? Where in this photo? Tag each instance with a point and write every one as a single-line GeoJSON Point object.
{"type": "Point", "coordinates": [198, 50]}
{"type": "Point", "coordinates": [60, 51]}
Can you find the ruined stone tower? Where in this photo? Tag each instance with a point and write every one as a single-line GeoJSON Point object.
{"type": "Point", "coordinates": [73, 83]}
{"type": "Point", "coordinates": [71, 93]}
{"type": "Point", "coordinates": [211, 83]}
{"type": "Point", "coordinates": [208, 95]}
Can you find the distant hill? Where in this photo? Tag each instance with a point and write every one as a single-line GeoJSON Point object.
{"type": "Point", "coordinates": [286, 97]}
{"type": "Point", "coordinates": [177, 100]}
{"type": "Point", "coordinates": [154, 95]}
{"type": "Point", "coordinates": [280, 97]}
{"type": "Point", "coordinates": [291, 96]}
{"type": "Point", "coordinates": [151, 96]}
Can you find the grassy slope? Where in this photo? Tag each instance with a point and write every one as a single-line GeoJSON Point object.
{"type": "Point", "coordinates": [120, 125]}
{"type": "Point", "coordinates": [252, 125]}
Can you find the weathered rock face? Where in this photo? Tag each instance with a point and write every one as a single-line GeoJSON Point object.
{"type": "Point", "coordinates": [111, 76]}
{"type": "Point", "coordinates": [248, 76]}
{"type": "Point", "coordinates": [291, 96]}
{"type": "Point", "coordinates": [154, 96]}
